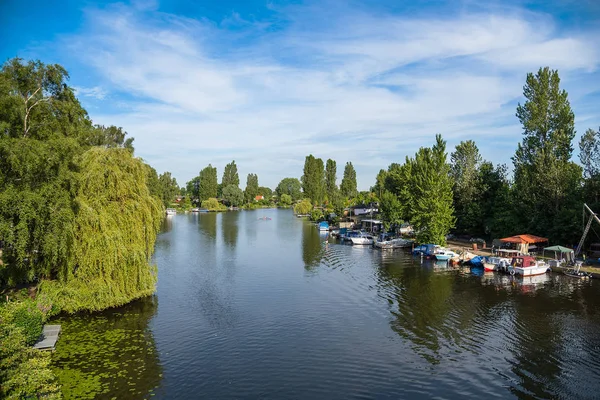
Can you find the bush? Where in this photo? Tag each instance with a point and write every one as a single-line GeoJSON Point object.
{"type": "Point", "coordinates": [24, 371]}
{"type": "Point", "coordinates": [316, 214]}
{"type": "Point", "coordinates": [31, 320]}
{"type": "Point", "coordinates": [304, 207]}
{"type": "Point", "coordinates": [285, 200]}
{"type": "Point", "coordinates": [25, 315]}
{"type": "Point", "coordinates": [213, 204]}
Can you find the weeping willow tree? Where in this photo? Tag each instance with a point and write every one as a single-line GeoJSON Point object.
{"type": "Point", "coordinates": [115, 228]}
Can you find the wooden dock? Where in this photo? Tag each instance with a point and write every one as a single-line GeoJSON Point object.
{"type": "Point", "coordinates": [49, 338]}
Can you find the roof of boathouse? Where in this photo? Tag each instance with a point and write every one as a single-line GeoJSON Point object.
{"type": "Point", "coordinates": [526, 238]}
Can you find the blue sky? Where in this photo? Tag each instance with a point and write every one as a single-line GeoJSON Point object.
{"type": "Point", "coordinates": [268, 82]}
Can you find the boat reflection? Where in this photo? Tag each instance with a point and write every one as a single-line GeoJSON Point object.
{"type": "Point", "coordinates": [523, 284]}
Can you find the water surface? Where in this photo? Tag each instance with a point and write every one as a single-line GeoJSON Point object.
{"type": "Point", "coordinates": [249, 308]}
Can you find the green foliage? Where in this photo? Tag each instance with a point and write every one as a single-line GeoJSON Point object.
{"type": "Point", "coordinates": [285, 200]}
{"type": "Point", "coordinates": [266, 192]}
{"type": "Point", "coordinates": [291, 187]}
{"type": "Point", "coordinates": [464, 167]}
{"type": "Point", "coordinates": [589, 153]}
{"type": "Point", "coordinates": [213, 204]}
{"type": "Point", "coordinates": [251, 190]}
{"type": "Point", "coordinates": [313, 180]}
{"type": "Point", "coordinates": [109, 137]}
{"type": "Point", "coordinates": [330, 179]}
{"type": "Point", "coordinates": [348, 187]}
{"type": "Point", "coordinates": [207, 183]}
{"type": "Point", "coordinates": [391, 209]}
{"type": "Point", "coordinates": [114, 233]}
{"type": "Point", "coordinates": [546, 182]}
{"type": "Point", "coordinates": [168, 188]}
{"type": "Point", "coordinates": [24, 371]}
{"type": "Point", "coordinates": [304, 207]}
{"type": "Point", "coordinates": [233, 195]}
{"type": "Point", "coordinates": [316, 214]}
{"type": "Point", "coordinates": [432, 212]}
{"type": "Point", "coordinates": [30, 320]}
{"type": "Point", "coordinates": [230, 175]}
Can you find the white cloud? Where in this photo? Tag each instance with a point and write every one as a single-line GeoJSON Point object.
{"type": "Point", "coordinates": [96, 92]}
{"type": "Point", "coordinates": [361, 88]}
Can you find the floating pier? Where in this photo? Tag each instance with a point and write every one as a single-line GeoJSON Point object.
{"type": "Point", "coordinates": [49, 338]}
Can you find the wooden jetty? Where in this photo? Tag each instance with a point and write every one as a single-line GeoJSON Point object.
{"type": "Point", "coordinates": [49, 338]}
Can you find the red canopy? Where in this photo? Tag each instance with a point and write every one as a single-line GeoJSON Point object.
{"type": "Point", "coordinates": [524, 239]}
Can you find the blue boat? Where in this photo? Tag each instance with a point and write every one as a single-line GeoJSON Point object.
{"type": "Point", "coordinates": [323, 226]}
{"type": "Point", "coordinates": [425, 250]}
{"type": "Point", "coordinates": [476, 262]}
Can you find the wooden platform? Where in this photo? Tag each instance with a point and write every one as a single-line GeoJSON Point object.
{"type": "Point", "coordinates": [49, 338]}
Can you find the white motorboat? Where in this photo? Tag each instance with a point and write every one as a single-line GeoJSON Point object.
{"type": "Point", "coordinates": [396, 243]}
{"type": "Point", "coordinates": [495, 263]}
{"type": "Point", "coordinates": [445, 254]}
{"type": "Point", "coordinates": [171, 211]}
{"type": "Point", "coordinates": [527, 266]}
{"type": "Point", "coordinates": [362, 239]}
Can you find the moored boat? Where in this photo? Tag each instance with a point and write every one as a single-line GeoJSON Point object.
{"type": "Point", "coordinates": [171, 211]}
{"type": "Point", "coordinates": [494, 263]}
{"type": "Point", "coordinates": [323, 226]}
{"type": "Point", "coordinates": [526, 266]}
{"type": "Point", "coordinates": [362, 239]}
{"type": "Point", "coordinates": [384, 242]}
{"type": "Point", "coordinates": [442, 254]}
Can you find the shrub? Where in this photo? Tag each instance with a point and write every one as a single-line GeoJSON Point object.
{"type": "Point", "coordinates": [24, 371]}
{"type": "Point", "coordinates": [31, 320]}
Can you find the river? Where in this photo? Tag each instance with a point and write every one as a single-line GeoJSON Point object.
{"type": "Point", "coordinates": [249, 308]}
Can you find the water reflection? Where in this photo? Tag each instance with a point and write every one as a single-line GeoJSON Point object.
{"type": "Point", "coordinates": [313, 245]}
{"type": "Point", "coordinates": [229, 228]}
{"type": "Point", "coordinates": [110, 354]}
{"type": "Point", "coordinates": [208, 225]}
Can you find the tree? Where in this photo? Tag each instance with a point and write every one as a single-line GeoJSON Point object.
{"type": "Point", "coordinates": [304, 207]}
{"type": "Point", "coordinates": [546, 182]}
{"type": "Point", "coordinates": [251, 190]}
{"type": "Point", "coordinates": [330, 178]}
{"type": "Point", "coordinates": [464, 168]}
{"type": "Point", "coordinates": [110, 137]}
{"type": "Point", "coordinates": [193, 187]}
{"type": "Point", "coordinates": [35, 88]}
{"type": "Point", "coordinates": [313, 179]}
{"type": "Point", "coordinates": [233, 195]}
{"type": "Point", "coordinates": [111, 193]}
{"type": "Point", "coordinates": [42, 130]}
{"type": "Point", "coordinates": [207, 185]}
{"type": "Point", "coordinates": [391, 209]}
{"type": "Point", "coordinates": [379, 187]}
{"type": "Point", "coordinates": [230, 175]}
{"type": "Point", "coordinates": [285, 200]}
{"type": "Point", "coordinates": [431, 186]}
{"type": "Point", "coordinates": [589, 155]}
{"type": "Point", "coordinates": [291, 187]}
{"type": "Point", "coordinates": [266, 192]}
{"type": "Point", "coordinates": [168, 188]}
{"type": "Point", "coordinates": [348, 187]}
